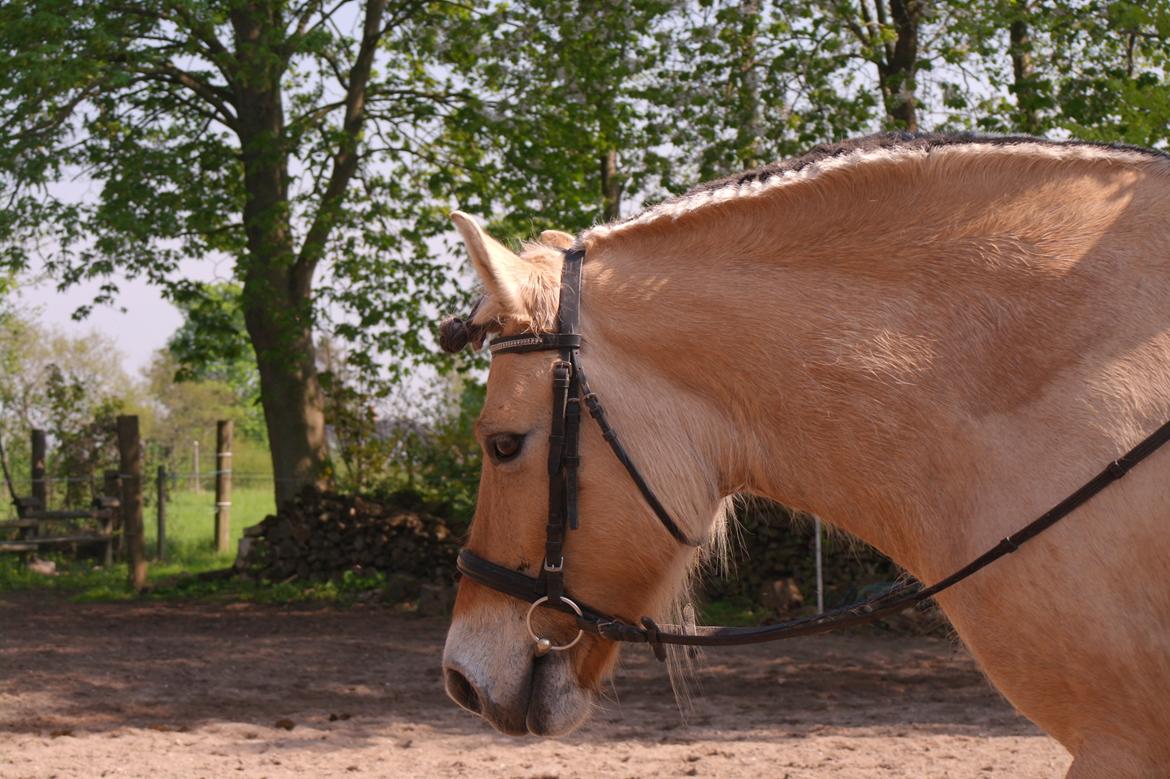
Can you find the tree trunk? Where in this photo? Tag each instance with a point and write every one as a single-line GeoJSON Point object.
{"type": "Point", "coordinates": [611, 186]}
{"type": "Point", "coordinates": [748, 124]}
{"type": "Point", "coordinates": [294, 409]}
{"type": "Point", "coordinates": [277, 300]}
{"type": "Point", "coordinates": [1024, 73]}
{"type": "Point", "coordinates": [898, 70]}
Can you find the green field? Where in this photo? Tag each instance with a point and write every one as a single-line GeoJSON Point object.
{"type": "Point", "coordinates": [190, 547]}
{"type": "Point", "coordinates": [191, 524]}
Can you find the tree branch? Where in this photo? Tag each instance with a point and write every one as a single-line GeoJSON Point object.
{"type": "Point", "coordinates": [212, 48]}
{"type": "Point", "coordinates": [217, 97]}
{"type": "Point", "coordinates": [217, 52]}
{"type": "Point", "coordinates": [62, 112]}
{"type": "Point", "coordinates": [345, 160]}
{"type": "Point", "coordinates": [303, 28]}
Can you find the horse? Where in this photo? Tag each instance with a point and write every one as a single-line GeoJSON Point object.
{"type": "Point", "coordinates": [925, 340]}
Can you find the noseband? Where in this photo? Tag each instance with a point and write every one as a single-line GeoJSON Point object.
{"type": "Point", "coordinates": [570, 388]}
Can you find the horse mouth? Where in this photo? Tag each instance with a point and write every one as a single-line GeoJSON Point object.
{"type": "Point", "coordinates": [548, 703]}
{"type": "Point", "coordinates": [557, 705]}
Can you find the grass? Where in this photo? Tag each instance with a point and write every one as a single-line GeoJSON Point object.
{"type": "Point", "coordinates": [191, 525]}
{"type": "Point", "coordinates": [85, 582]}
{"type": "Point", "coordinates": [190, 550]}
{"type": "Point", "coordinates": [736, 612]}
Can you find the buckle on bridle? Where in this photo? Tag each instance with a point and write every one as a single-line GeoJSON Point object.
{"type": "Point", "coordinates": [562, 372]}
{"type": "Point", "coordinates": [555, 568]}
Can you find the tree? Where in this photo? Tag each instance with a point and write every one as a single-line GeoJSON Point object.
{"type": "Point", "coordinates": [750, 82]}
{"type": "Point", "coordinates": [71, 387]}
{"type": "Point", "coordinates": [211, 347]}
{"type": "Point", "coordinates": [886, 34]}
{"type": "Point", "coordinates": [186, 411]}
{"type": "Point", "coordinates": [1019, 85]}
{"type": "Point", "coordinates": [1026, 86]}
{"type": "Point", "coordinates": [1095, 69]}
{"type": "Point", "coordinates": [557, 134]}
{"type": "Point", "coordinates": [1111, 68]}
{"type": "Point", "coordinates": [274, 133]}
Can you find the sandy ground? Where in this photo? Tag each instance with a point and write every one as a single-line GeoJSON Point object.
{"type": "Point", "coordinates": [202, 690]}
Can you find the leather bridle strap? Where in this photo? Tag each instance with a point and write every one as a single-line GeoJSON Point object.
{"type": "Point", "coordinates": [610, 435]}
{"type": "Point", "coordinates": [569, 384]}
{"type": "Point", "coordinates": [568, 342]}
{"type": "Point", "coordinates": [535, 342]}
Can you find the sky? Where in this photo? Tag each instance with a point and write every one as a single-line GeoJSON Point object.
{"type": "Point", "coordinates": [140, 321]}
{"type": "Point", "coordinates": [142, 328]}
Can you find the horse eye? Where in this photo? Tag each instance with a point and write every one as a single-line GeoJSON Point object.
{"type": "Point", "coordinates": [505, 446]}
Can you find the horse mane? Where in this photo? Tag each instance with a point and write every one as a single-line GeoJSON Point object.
{"type": "Point", "coordinates": [830, 156]}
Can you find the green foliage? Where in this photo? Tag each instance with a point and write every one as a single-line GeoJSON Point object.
{"type": "Point", "coordinates": [1111, 63]}
{"type": "Point", "coordinates": [751, 82]}
{"type": "Point", "coordinates": [449, 460]}
{"type": "Point", "coordinates": [71, 387]}
{"type": "Point", "coordinates": [212, 342]}
{"type": "Point", "coordinates": [430, 451]}
{"type": "Point", "coordinates": [187, 411]}
{"type": "Point", "coordinates": [554, 100]}
{"type": "Point", "coordinates": [83, 433]}
{"type": "Point", "coordinates": [212, 349]}
{"type": "Point", "coordinates": [736, 610]}
{"type": "Point", "coordinates": [296, 143]}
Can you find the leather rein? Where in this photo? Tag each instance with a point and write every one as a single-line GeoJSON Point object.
{"type": "Point", "coordinates": [570, 389]}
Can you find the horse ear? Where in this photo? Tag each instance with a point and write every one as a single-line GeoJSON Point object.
{"type": "Point", "coordinates": [502, 272]}
{"type": "Point", "coordinates": [556, 239]}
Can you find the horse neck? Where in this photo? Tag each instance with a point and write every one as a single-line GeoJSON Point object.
{"type": "Point", "coordinates": [837, 352]}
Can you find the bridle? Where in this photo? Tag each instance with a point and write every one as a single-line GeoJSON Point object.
{"type": "Point", "coordinates": [570, 389]}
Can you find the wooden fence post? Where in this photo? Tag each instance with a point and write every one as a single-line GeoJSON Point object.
{"type": "Point", "coordinates": [40, 498]}
{"type": "Point", "coordinates": [40, 485]}
{"type": "Point", "coordinates": [131, 455]}
{"type": "Point", "coordinates": [223, 484]}
{"type": "Point", "coordinates": [112, 488]}
{"type": "Point", "coordinates": [196, 486]}
{"type": "Point", "coordinates": [161, 511]}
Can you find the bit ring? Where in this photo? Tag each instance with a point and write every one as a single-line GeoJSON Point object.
{"type": "Point", "coordinates": [544, 645]}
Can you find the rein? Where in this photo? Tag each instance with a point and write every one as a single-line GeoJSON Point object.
{"type": "Point", "coordinates": [570, 388]}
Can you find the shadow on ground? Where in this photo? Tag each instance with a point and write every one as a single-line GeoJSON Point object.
{"type": "Point", "coordinates": [178, 667]}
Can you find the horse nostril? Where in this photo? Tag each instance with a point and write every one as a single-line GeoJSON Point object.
{"type": "Point", "coordinates": [462, 691]}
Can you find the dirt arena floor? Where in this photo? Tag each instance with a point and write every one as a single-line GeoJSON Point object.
{"type": "Point", "coordinates": [204, 690]}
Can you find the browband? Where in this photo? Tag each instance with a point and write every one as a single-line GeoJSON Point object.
{"type": "Point", "coordinates": [535, 342]}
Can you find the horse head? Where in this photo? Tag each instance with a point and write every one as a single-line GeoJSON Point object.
{"type": "Point", "coordinates": [618, 559]}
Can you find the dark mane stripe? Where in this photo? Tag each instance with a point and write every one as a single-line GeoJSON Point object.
{"type": "Point", "coordinates": [926, 142]}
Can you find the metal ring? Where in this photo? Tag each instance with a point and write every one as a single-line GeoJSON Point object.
{"type": "Point", "coordinates": [543, 645]}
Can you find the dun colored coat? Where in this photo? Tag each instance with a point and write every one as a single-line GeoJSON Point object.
{"type": "Point", "coordinates": [927, 342]}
